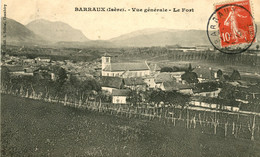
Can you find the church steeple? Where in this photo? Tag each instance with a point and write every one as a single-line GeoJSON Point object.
{"type": "Point", "coordinates": [106, 60]}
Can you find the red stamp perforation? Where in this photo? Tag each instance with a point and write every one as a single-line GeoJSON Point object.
{"type": "Point", "coordinates": [236, 24]}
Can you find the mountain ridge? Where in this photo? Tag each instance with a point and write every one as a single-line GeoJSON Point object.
{"type": "Point", "coordinates": [56, 31]}
{"type": "Point", "coordinates": [20, 34]}
{"type": "Point", "coordinates": [17, 33]}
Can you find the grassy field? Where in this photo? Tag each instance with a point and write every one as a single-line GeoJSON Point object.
{"type": "Point", "coordinates": [35, 128]}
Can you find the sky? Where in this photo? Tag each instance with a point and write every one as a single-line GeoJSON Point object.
{"type": "Point", "coordinates": [107, 25]}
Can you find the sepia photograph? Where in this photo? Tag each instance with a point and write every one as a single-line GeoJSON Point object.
{"type": "Point", "coordinates": [115, 78]}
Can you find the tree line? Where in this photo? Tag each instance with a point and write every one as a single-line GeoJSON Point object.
{"type": "Point", "coordinates": [72, 89]}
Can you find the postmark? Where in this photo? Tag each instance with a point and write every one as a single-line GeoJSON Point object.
{"type": "Point", "coordinates": [231, 27]}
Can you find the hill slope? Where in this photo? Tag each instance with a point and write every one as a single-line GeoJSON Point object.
{"type": "Point", "coordinates": [17, 33]}
{"type": "Point", "coordinates": [56, 31]}
{"type": "Point", "coordinates": [162, 37]}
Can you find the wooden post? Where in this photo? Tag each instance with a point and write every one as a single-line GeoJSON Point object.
{"type": "Point", "coordinates": [187, 119]}
{"type": "Point", "coordinates": [165, 115]}
{"type": "Point", "coordinates": [233, 129]}
{"type": "Point", "coordinates": [180, 116]}
{"type": "Point", "coordinates": [204, 118]}
{"type": "Point", "coordinates": [65, 100]}
{"type": "Point", "coordinates": [215, 127]}
{"type": "Point", "coordinates": [100, 103]}
{"type": "Point", "coordinates": [21, 91]}
{"type": "Point", "coordinates": [194, 121]}
{"type": "Point", "coordinates": [80, 103]}
{"type": "Point", "coordinates": [136, 111]}
{"type": "Point", "coordinates": [172, 116]}
{"type": "Point", "coordinates": [150, 114]}
{"type": "Point", "coordinates": [226, 125]}
{"type": "Point", "coordinates": [200, 120]}
{"type": "Point", "coordinates": [130, 112]}
{"type": "Point", "coordinates": [27, 94]}
{"type": "Point", "coordinates": [253, 130]}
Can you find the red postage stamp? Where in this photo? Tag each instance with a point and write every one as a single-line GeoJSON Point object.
{"type": "Point", "coordinates": [236, 24]}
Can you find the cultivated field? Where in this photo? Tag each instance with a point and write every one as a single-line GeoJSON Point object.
{"type": "Point", "coordinates": [36, 128]}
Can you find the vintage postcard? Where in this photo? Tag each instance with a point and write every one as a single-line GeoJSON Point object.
{"type": "Point", "coordinates": [130, 78]}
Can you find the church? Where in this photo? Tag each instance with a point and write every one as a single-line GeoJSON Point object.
{"type": "Point", "coordinates": [124, 70]}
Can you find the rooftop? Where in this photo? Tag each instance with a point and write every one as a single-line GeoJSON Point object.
{"type": "Point", "coordinates": [126, 67]}
{"type": "Point", "coordinates": [113, 82]}
{"type": "Point", "coordinates": [204, 73]}
{"type": "Point", "coordinates": [133, 81]}
{"type": "Point", "coordinates": [173, 85]}
{"type": "Point", "coordinates": [164, 77]}
{"type": "Point", "coordinates": [120, 92]}
{"type": "Point", "coordinates": [15, 68]}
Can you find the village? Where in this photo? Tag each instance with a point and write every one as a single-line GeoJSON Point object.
{"type": "Point", "coordinates": [143, 82]}
{"type": "Point", "coordinates": [130, 78]}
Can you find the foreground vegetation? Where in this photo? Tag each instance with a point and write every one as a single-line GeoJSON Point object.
{"type": "Point", "coordinates": [35, 128]}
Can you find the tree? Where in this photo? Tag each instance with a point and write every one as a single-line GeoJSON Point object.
{"type": "Point", "coordinates": [219, 73]}
{"type": "Point", "coordinates": [208, 86]}
{"type": "Point", "coordinates": [105, 96]}
{"type": "Point", "coordinates": [135, 97]}
{"type": "Point", "coordinates": [60, 78]}
{"type": "Point", "coordinates": [235, 75]}
{"type": "Point", "coordinates": [168, 97]}
{"type": "Point", "coordinates": [228, 93]}
{"type": "Point", "coordinates": [175, 69]}
{"type": "Point", "coordinates": [190, 68]}
{"type": "Point", "coordinates": [257, 47]}
{"type": "Point", "coordinates": [61, 75]}
{"type": "Point", "coordinates": [69, 88]}
{"type": "Point", "coordinates": [166, 69]}
{"type": "Point", "coordinates": [157, 96]}
{"type": "Point", "coordinates": [190, 77]}
{"type": "Point", "coordinates": [5, 76]}
{"type": "Point", "coordinates": [175, 98]}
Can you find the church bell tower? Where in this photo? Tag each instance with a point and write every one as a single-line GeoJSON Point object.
{"type": "Point", "coordinates": [106, 60]}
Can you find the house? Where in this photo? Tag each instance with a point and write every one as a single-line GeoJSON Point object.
{"type": "Point", "coordinates": [109, 83]}
{"type": "Point", "coordinates": [44, 73]}
{"type": "Point", "coordinates": [173, 85]}
{"type": "Point", "coordinates": [181, 48]}
{"type": "Point", "coordinates": [129, 74]}
{"type": "Point", "coordinates": [163, 77]}
{"type": "Point", "coordinates": [215, 103]}
{"type": "Point", "coordinates": [28, 61]}
{"type": "Point", "coordinates": [212, 94]}
{"type": "Point", "coordinates": [43, 59]}
{"type": "Point", "coordinates": [135, 83]}
{"type": "Point", "coordinates": [250, 92]}
{"type": "Point", "coordinates": [177, 75]}
{"type": "Point", "coordinates": [150, 82]}
{"type": "Point", "coordinates": [119, 96]}
{"type": "Point", "coordinates": [29, 70]}
{"type": "Point", "coordinates": [50, 72]}
{"type": "Point", "coordinates": [119, 69]}
{"type": "Point", "coordinates": [207, 89]}
{"type": "Point", "coordinates": [19, 70]}
{"type": "Point", "coordinates": [204, 74]}
{"type": "Point", "coordinates": [79, 75]}
{"type": "Point", "coordinates": [155, 68]}
{"type": "Point", "coordinates": [10, 62]}
{"type": "Point", "coordinates": [15, 70]}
